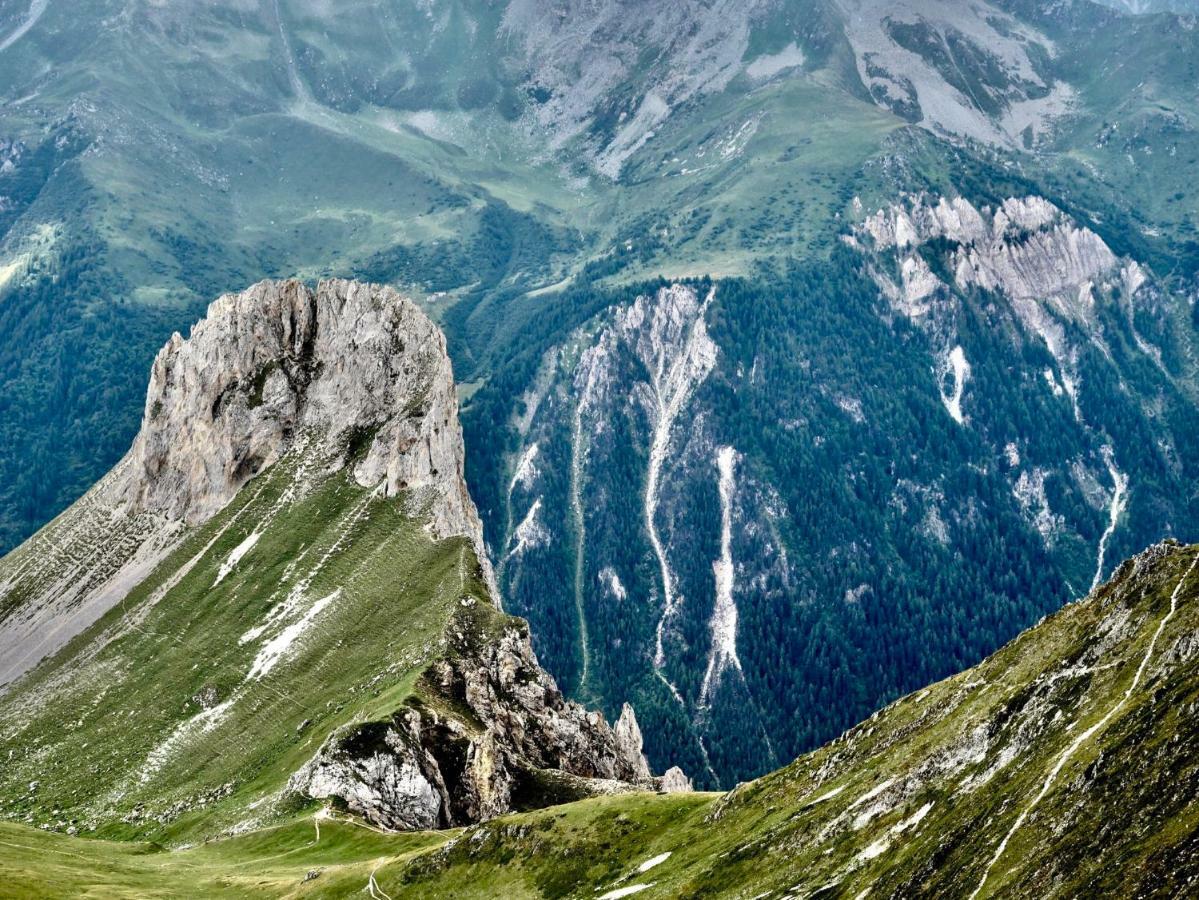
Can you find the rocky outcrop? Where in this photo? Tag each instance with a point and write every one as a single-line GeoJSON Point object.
{"type": "Point", "coordinates": [674, 781]}
{"type": "Point", "coordinates": [356, 370]}
{"type": "Point", "coordinates": [1025, 247]}
{"type": "Point", "coordinates": [1053, 272]}
{"type": "Point", "coordinates": [628, 737]}
{"type": "Point", "coordinates": [487, 733]}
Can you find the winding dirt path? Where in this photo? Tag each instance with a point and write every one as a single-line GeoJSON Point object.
{"type": "Point", "coordinates": [36, 8]}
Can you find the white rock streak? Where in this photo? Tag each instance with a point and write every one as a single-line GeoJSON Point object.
{"type": "Point", "coordinates": [277, 647]}
{"type": "Point", "coordinates": [530, 533]}
{"type": "Point", "coordinates": [1089, 733]}
{"type": "Point", "coordinates": [578, 453]}
{"type": "Point", "coordinates": [724, 616]}
{"type": "Point", "coordinates": [236, 556]}
{"type": "Point", "coordinates": [36, 8]}
{"type": "Point", "coordinates": [675, 372]}
{"type": "Point", "coordinates": [526, 470]}
{"type": "Point", "coordinates": [1119, 501]}
{"type": "Point", "coordinates": [957, 364]}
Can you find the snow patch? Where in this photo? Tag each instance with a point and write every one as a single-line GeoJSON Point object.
{"type": "Point", "coordinates": [871, 794]}
{"type": "Point", "coordinates": [236, 556]}
{"type": "Point", "coordinates": [829, 796]}
{"type": "Point", "coordinates": [656, 861]}
{"type": "Point", "coordinates": [626, 891]}
{"type": "Point", "coordinates": [875, 850]}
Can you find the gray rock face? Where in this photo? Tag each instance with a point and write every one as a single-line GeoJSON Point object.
{"type": "Point", "coordinates": [386, 786]}
{"type": "Point", "coordinates": [628, 737]}
{"type": "Point", "coordinates": [503, 739]}
{"type": "Point", "coordinates": [675, 782]}
{"type": "Point", "coordinates": [1026, 247]}
{"type": "Point", "coordinates": [355, 368]}
{"type": "Point", "coordinates": [583, 53]}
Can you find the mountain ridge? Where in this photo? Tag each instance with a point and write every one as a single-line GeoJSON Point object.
{"type": "Point", "coordinates": [265, 367]}
{"type": "Point", "coordinates": [314, 617]}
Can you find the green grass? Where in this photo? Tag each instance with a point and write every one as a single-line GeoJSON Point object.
{"type": "Point", "coordinates": [86, 724]}
{"type": "Point", "coordinates": [269, 863]}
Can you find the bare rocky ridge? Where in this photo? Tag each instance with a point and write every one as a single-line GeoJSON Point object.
{"type": "Point", "coordinates": [499, 736]}
{"type": "Point", "coordinates": [356, 368]}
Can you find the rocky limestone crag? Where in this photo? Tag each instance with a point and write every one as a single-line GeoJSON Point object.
{"type": "Point", "coordinates": [1025, 247]}
{"type": "Point", "coordinates": [674, 781]}
{"type": "Point", "coordinates": [354, 374]}
{"type": "Point", "coordinates": [488, 733]}
{"type": "Point", "coordinates": [343, 365]}
{"type": "Point", "coordinates": [628, 736]}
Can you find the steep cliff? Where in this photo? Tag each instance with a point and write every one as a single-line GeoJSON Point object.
{"type": "Point", "coordinates": [350, 375]}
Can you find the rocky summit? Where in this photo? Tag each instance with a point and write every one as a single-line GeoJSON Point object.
{"type": "Point", "coordinates": [280, 596]}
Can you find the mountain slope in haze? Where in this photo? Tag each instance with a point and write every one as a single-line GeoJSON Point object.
{"type": "Point", "coordinates": [279, 595]}
{"type": "Point", "coordinates": [489, 151]}
{"type": "Point", "coordinates": [1065, 764]}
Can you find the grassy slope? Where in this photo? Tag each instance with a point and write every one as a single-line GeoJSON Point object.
{"type": "Point", "coordinates": [272, 862]}
{"type": "Point", "coordinates": [87, 724]}
{"type": "Point", "coordinates": [1120, 816]}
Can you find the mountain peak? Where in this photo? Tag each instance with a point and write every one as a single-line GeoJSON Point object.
{"type": "Point", "coordinates": [293, 517]}
{"type": "Point", "coordinates": [346, 375]}
{"type": "Point", "coordinates": [354, 371]}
